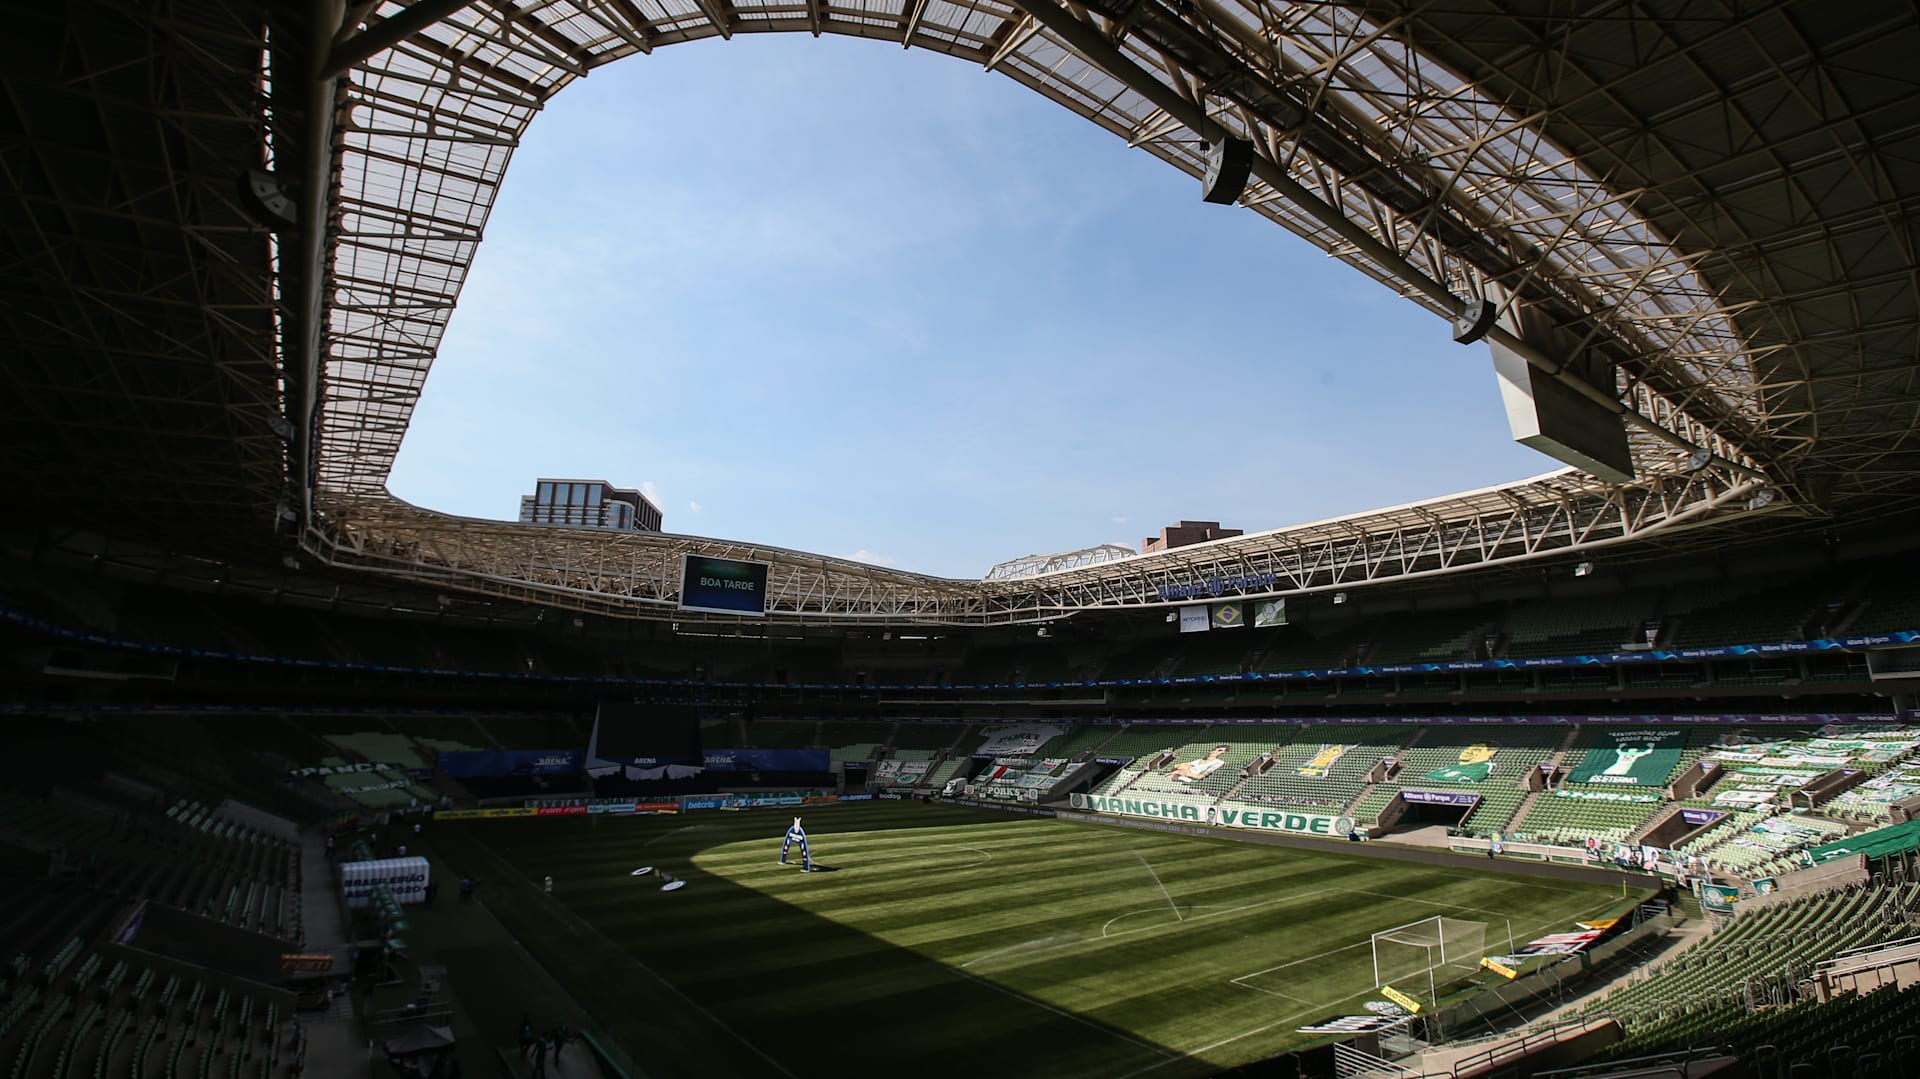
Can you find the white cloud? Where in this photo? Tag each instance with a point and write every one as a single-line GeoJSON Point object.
{"type": "Point", "coordinates": [870, 558]}
{"type": "Point", "coordinates": [693, 507]}
{"type": "Point", "coordinates": [652, 492]}
{"type": "Point", "coordinates": [1119, 520]}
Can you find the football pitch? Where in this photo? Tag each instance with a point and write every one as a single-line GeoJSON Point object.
{"type": "Point", "coordinates": [943, 940]}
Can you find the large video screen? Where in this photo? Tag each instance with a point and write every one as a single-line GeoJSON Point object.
{"type": "Point", "coordinates": [723, 585]}
{"type": "Point", "coordinates": [647, 735]}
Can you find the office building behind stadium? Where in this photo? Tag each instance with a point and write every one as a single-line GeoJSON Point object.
{"type": "Point", "coordinates": [589, 504]}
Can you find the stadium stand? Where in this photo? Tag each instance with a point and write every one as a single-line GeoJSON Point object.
{"type": "Point", "coordinates": [1447, 759]}
{"type": "Point", "coordinates": [1738, 985]}
{"type": "Point", "coordinates": [1609, 793]}
{"type": "Point", "coordinates": [1789, 610]}
{"type": "Point", "coordinates": [1577, 625]}
{"type": "Point", "coordinates": [929, 736]}
{"type": "Point", "coordinates": [769, 733]}
{"type": "Point", "coordinates": [1325, 766]}
{"type": "Point", "coordinates": [1431, 637]}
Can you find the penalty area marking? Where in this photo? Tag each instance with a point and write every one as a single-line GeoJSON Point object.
{"type": "Point", "coordinates": [855, 859]}
{"type": "Point", "coordinates": [1106, 930]}
{"type": "Point", "coordinates": [673, 832]}
{"type": "Point", "coordinates": [1238, 980]}
{"type": "Point", "coordinates": [1280, 1022]}
{"type": "Point", "coordinates": [1296, 1016]}
{"type": "Point", "coordinates": [1025, 945]}
{"type": "Point", "coordinates": [1273, 992]}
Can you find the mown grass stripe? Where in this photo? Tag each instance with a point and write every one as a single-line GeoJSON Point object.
{"type": "Point", "coordinates": [945, 931]}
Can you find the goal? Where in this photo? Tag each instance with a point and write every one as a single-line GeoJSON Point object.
{"type": "Point", "coordinates": [1423, 954]}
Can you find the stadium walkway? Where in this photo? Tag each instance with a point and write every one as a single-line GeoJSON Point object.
{"type": "Point", "coordinates": [336, 1041]}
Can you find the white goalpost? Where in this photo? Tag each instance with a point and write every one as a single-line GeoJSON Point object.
{"type": "Point", "coordinates": [1431, 950]}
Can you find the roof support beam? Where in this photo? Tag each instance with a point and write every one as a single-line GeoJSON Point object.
{"type": "Point", "coordinates": [915, 9]}
{"type": "Point", "coordinates": [1097, 47]}
{"type": "Point", "coordinates": [380, 37]}
{"type": "Point", "coordinates": [720, 13]}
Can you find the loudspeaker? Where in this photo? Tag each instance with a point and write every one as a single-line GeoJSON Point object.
{"type": "Point", "coordinates": [1473, 321]}
{"type": "Point", "coordinates": [261, 194]}
{"type": "Point", "coordinates": [1229, 165]}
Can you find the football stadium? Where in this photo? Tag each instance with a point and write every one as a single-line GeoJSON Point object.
{"type": "Point", "coordinates": [1610, 771]}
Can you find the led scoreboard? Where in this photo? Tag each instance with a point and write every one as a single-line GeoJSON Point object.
{"type": "Point", "coordinates": [723, 585]}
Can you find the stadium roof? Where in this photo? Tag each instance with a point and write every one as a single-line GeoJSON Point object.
{"type": "Point", "coordinates": [1713, 200]}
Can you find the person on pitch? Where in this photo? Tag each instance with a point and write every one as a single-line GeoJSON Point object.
{"type": "Point", "coordinates": [797, 834]}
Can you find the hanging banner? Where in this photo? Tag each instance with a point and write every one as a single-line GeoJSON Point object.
{"type": "Point", "coordinates": [1226, 816]}
{"type": "Point", "coordinates": [1322, 762]}
{"type": "Point", "coordinates": [1719, 898]}
{"type": "Point", "coordinates": [1350, 1024]}
{"type": "Point", "coordinates": [1474, 764]}
{"type": "Point", "coordinates": [1269, 612]}
{"type": "Point", "coordinates": [1632, 757]}
{"type": "Point", "coordinates": [1017, 740]}
{"type": "Point", "coordinates": [1561, 943]}
{"type": "Point", "coordinates": [768, 760]}
{"type": "Point", "coordinates": [481, 763]}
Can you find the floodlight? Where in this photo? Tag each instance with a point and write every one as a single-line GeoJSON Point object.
{"type": "Point", "coordinates": [1339, 597]}
{"type": "Point", "coordinates": [1582, 569]}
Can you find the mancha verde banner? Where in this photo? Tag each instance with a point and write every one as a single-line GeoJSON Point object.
{"type": "Point", "coordinates": [1224, 816]}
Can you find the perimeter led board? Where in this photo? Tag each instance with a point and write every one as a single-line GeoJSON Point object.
{"type": "Point", "coordinates": [723, 585]}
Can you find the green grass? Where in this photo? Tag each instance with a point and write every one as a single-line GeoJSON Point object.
{"type": "Point", "coordinates": [950, 941]}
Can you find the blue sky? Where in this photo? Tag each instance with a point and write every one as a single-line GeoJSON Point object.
{"type": "Point", "coordinates": [836, 296]}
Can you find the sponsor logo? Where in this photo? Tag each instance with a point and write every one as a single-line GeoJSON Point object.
{"type": "Point", "coordinates": [1216, 586]}
{"type": "Point", "coordinates": [347, 769]}
{"type": "Point", "coordinates": [1228, 816]}
{"type": "Point", "coordinates": [483, 814]}
{"type": "Point", "coordinates": [1400, 998]}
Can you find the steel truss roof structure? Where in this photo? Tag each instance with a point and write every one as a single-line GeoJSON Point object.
{"type": "Point", "coordinates": [629, 573]}
{"type": "Point", "coordinates": [1713, 199]}
{"type": "Point", "coordinates": [1035, 564]}
{"type": "Point", "coordinates": [138, 381]}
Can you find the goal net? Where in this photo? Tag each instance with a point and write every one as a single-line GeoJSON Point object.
{"type": "Point", "coordinates": [1418, 956]}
